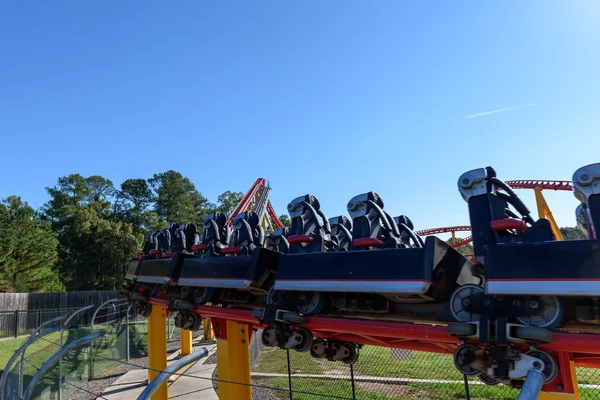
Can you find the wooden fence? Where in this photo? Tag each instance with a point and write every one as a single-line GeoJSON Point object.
{"type": "Point", "coordinates": [58, 300]}
{"type": "Point", "coordinates": [21, 313]}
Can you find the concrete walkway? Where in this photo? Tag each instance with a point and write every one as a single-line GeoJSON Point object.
{"type": "Point", "coordinates": [196, 385]}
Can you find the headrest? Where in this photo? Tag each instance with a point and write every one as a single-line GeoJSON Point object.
{"type": "Point", "coordinates": [403, 219]}
{"type": "Point", "coordinates": [341, 220]}
{"type": "Point", "coordinates": [308, 198]}
{"type": "Point", "coordinates": [358, 207]}
{"type": "Point", "coordinates": [250, 216]}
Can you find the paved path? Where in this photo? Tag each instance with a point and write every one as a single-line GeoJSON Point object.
{"type": "Point", "coordinates": [197, 384]}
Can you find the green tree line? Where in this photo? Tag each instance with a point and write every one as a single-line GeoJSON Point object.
{"type": "Point", "coordinates": [82, 238]}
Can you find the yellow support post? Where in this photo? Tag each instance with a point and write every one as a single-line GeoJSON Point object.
{"type": "Point", "coordinates": [233, 363]}
{"type": "Point", "coordinates": [544, 212]}
{"type": "Point", "coordinates": [207, 331]}
{"type": "Point", "coordinates": [185, 338]}
{"type": "Point", "coordinates": [157, 348]}
{"type": "Point", "coordinates": [453, 237]}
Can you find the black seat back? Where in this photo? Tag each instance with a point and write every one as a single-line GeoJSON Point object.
{"type": "Point", "coordinates": [341, 235]}
{"type": "Point", "coordinates": [407, 234]}
{"type": "Point", "coordinates": [151, 243]}
{"type": "Point", "coordinates": [247, 232]}
{"type": "Point", "coordinates": [178, 240]}
{"type": "Point", "coordinates": [370, 221]}
{"type": "Point", "coordinates": [164, 240]}
{"type": "Point", "coordinates": [310, 230]}
{"type": "Point", "coordinates": [216, 231]}
{"type": "Point", "coordinates": [277, 240]}
{"type": "Point", "coordinates": [191, 236]}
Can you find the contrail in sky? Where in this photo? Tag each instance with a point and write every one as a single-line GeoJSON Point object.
{"type": "Point", "coordinates": [483, 114]}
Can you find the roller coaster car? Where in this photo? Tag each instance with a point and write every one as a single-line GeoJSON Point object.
{"type": "Point", "coordinates": [243, 276]}
{"type": "Point", "coordinates": [310, 231]}
{"type": "Point", "coordinates": [341, 235]}
{"type": "Point", "coordinates": [277, 240]}
{"type": "Point", "coordinates": [586, 187]}
{"type": "Point", "coordinates": [532, 284]}
{"type": "Point", "coordinates": [242, 280]}
{"type": "Point", "coordinates": [157, 273]}
{"type": "Point", "coordinates": [372, 227]}
{"type": "Point", "coordinates": [216, 235]}
{"type": "Point", "coordinates": [384, 281]}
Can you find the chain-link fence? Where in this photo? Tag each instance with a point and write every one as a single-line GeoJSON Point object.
{"type": "Point", "coordinates": [379, 374]}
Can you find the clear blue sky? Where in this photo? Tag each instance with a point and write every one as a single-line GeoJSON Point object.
{"type": "Point", "coordinates": [330, 97]}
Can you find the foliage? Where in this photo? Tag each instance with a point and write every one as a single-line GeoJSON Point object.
{"type": "Point", "coordinates": [285, 220]}
{"type": "Point", "coordinates": [573, 233]}
{"type": "Point", "coordinates": [177, 199]}
{"type": "Point", "coordinates": [27, 250]}
{"type": "Point", "coordinates": [227, 201]}
{"type": "Point", "coordinates": [94, 249]}
{"type": "Point", "coordinates": [133, 205]}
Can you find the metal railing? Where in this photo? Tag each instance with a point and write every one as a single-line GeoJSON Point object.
{"type": "Point", "coordinates": [23, 322]}
{"type": "Point", "coordinates": [58, 355]}
{"type": "Point", "coordinates": [170, 370]}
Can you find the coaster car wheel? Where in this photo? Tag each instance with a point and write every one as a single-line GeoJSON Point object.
{"type": "Point", "coordinates": [307, 340]}
{"type": "Point", "coordinates": [462, 358]}
{"type": "Point", "coordinates": [353, 356]}
{"type": "Point", "coordinates": [269, 336]}
{"type": "Point", "coordinates": [460, 298]}
{"type": "Point", "coordinates": [549, 318]}
{"type": "Point", "coordinates": [550, 370]}
{"type": "Point", "coordinates": [202, 295]}
{"type": "Point", "coordinates": [313, 303]}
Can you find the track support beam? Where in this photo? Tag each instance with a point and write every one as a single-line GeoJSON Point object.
{"type": "Point", "coordinates": [233, 360]}
{"type": "Point", "coordinates": [544, 212]}
{"type": "Point", "coordinates": [157, 348]}
{"type": "Point", "coordinates": [185, 338]}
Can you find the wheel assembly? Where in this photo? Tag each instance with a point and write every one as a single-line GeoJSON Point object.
{"type": "Point", "coordinates": [202, 295]}
{"type": "Point", "coordinates": [269, 336]}
{"type": "Point", "coordinates": [550, 370]}
{"type": "Point", "coordinates": [306, 340]}
{"type": "Point", "coordinates": [488, 380]}
{"type": "Point", "coordinates": [179, 320]}
{"type": "Point", "coordinates": [317, 350]}
{"type": "Point", "coordinates": [311, 303]}
{"type": "Point", "coordinates": [460, 302]}
{"type": "Point", "coordinates": [551, 315]}
{"type": "Point", "coordinates": [463, 356]}
{"type": "Point", "coordinates": [352, 355]}
{"type": "Point", "coordinates": [192, 322]}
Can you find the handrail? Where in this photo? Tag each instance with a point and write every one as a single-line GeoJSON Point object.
{"type": "Point", "coordinates": [48, 364]}
{"type": "Point", "coordinates": [532, 386]}
{"type": "Point", "coordinates": [50, 321]}
{"type": "Point", "coordinates": [60, 344]}
{"type": "Point", "coordinates": [20, 350]}
{"type": "Point", "coordinates": [100, 307]}
{"type": "Point", "coordinates": [170, 370]}
{"type": "Point", "coordinates": [64, 325]}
